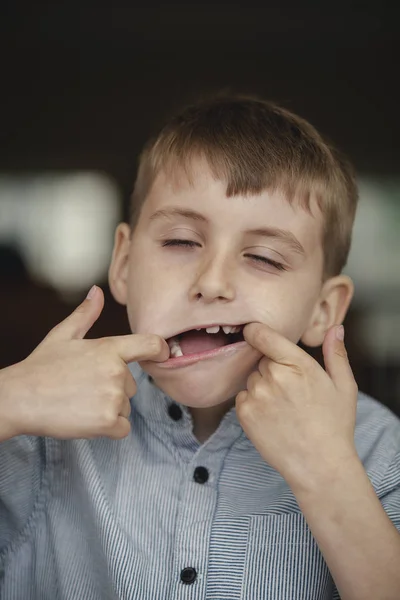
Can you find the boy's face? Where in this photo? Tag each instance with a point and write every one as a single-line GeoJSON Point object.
{"type": "Point", "coordinates": [240, 260]}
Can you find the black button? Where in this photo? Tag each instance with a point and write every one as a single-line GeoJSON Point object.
{"type": "Point", "coordinates": [175, 412]}
{"type": "Point", "coordinates": [188, 575]}
{"type": "Point", "coordinates": [200, 475]}
{"type": "Point", "coordinates": [149, 377]}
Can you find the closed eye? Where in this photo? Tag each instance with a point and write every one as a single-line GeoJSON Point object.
{"type": "Point", "coordinates": [182, 243]}
{"type": "Point", "coordinates": [267, 261]}
{"type": "Point", "coordinates": [255, 257]}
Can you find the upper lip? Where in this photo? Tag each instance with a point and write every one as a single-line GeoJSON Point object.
{"type": "Point", "coordinates": [220, 324]}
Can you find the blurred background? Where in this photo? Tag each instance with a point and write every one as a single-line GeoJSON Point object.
{"type": "Point", "coordinates": [84, 84]}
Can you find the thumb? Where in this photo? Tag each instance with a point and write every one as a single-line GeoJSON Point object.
{"type": "Point", "coordinates": [78, 323]}
{"type": "Point", "coordinates": [336, 360]}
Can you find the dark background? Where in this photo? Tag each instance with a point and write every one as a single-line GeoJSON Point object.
{"type": "Point", "coordinates": [84, 84]}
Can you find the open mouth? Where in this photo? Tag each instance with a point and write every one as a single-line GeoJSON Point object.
{"type": "Point", "coordinates": [204, 340]}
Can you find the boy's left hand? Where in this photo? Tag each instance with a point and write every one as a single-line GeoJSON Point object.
{"type": "Point", "coordinates": [300, 418]}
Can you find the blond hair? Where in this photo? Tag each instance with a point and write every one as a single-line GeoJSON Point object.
{"type": "Point", "coordinates": [255, 145]}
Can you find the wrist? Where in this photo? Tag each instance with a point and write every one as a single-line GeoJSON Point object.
{"type": "Point", "coordinates": [325, 472]}
{"type": "Point", "coordinates": [9, 400]}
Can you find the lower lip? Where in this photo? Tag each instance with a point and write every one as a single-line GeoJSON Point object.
{"type": "Point", "coordinates": [189, 359]}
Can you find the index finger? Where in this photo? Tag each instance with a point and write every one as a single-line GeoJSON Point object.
{"type": "Point", "coordinates": [273, 345]}
{"type": "Point", "coordinates": [138, 346]}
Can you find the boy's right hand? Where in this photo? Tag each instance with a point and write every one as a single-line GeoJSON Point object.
{"type": "Point", "coordinates": [75, 388]}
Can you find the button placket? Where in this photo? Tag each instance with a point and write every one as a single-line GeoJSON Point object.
{"type": "Point", "coordinates": [198, 501]}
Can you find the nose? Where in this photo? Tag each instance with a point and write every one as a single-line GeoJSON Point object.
{"type": "Point", "coordinates": [213, 281]}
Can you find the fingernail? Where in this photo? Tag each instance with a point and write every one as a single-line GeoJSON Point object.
{"type": "Point", "coordinates": [91, 292]}
{"type": "Point", "coordinates": [340, 333]}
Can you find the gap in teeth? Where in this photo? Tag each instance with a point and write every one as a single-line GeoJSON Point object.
{"type": "Point", "coordinates": [226, 329]}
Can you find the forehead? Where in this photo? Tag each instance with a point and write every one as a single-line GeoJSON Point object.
{"type": "Point", "coordinates": [199, 190]}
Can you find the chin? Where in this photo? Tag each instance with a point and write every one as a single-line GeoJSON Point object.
{"type": "Point", "coordinates": [198, 387]}
{"type": "Point", "coordinates": [198, 396]}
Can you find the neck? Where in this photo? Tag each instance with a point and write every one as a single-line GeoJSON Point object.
{"type": "Point", "coordinates": [207, 420]}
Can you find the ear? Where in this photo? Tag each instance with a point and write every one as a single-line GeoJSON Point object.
{"type": "Point", "coordinates": [331, 308]}
{"type": "Point", "coordinates": [118, 271]}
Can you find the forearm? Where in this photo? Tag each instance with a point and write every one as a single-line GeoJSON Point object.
{"type": "Point", "coordinates": [360, 544]}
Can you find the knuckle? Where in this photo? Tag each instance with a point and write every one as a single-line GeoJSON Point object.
{"type": "Point", "coordinates": [102, 348]}
{"type": "Point", "coordinates": [240, 398]}
{"type": "Point", "coordinates": [118, 398]}
{"type": "Point", "coordinates": [109, 418]}
{"type": "Point", "coordinates": [252, 380]}
{"type": "Point", "coordinates": [155, 344]}
{"type": "Point", "coordinates": [120, 433]}
{"type": "Point", "coordinates": [116, 372]}
{"type": "Point", "coordinates": [105, 344]}
{"type": "Point", "coordinates": [243, 408]}
{"type": "Point", "coordinates": [54, 330]}
{"type": "Point", "coordinates": [112, 403]}
{"type": "Point", "coordinates": [126, 432]}
{"type": "Point", "coordinates": [300, 369]}
{"type": "Point", "coordinates": [278, 376]}
{"type": "Point", "coordinates": [258, 388]}
{"type": "Point", "coordinates": [132, 388]}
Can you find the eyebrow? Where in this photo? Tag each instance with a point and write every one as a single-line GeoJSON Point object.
{"type": "Point", "coordinates": [187, 213]}
{"type": "Point", "coordinates": [280, 234]}
{"type": "Point", "coordinates": [269, 232]}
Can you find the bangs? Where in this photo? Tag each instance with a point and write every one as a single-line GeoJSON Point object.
{"type": "Point", "coordinates": [246, 171]}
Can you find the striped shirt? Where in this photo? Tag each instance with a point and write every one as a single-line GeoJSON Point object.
{"type": "Point", "coordinates": [158, 515]}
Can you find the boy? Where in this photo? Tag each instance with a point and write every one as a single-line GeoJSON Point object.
{"type": "Point", "coordinates": [229, 464]}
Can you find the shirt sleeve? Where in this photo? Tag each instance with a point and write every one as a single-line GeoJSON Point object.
{"type": "Point", "coordinates": [390, 491]}
{"type": "Point", "coordinates": [22, 462]}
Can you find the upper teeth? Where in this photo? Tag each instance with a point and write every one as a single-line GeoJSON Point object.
{"type": "Point", "coordinates": [225, 328]}
{"type": "Point", "coordinates": [231, 328]}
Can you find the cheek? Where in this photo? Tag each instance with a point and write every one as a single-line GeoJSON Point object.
{"type": "Point", "coordinates": [139, 292]}
{"type": "Point", "coordinates": [144, 306]}
{"type": "Point", "coordinates": [288, 312]}
{"type": "Point", "coordinates": [151, 296]}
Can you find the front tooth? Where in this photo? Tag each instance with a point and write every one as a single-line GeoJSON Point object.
{"type": "Point", "coordinates": [235, 329]}
{"type": "Point", "coordinates": [214, 329]}
{"type": "Point", "coordinates": [228, 329]}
